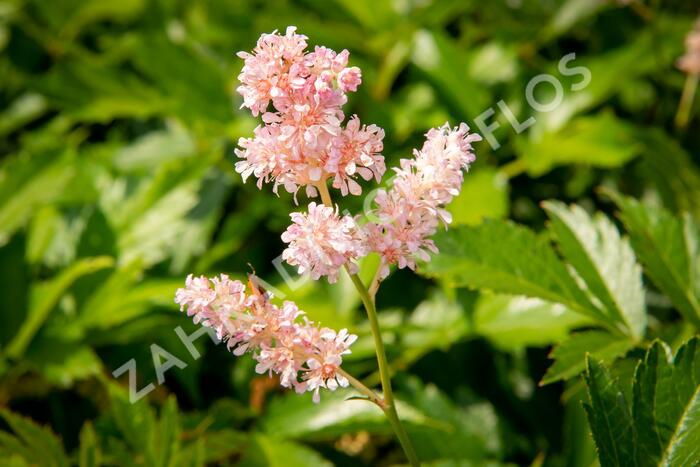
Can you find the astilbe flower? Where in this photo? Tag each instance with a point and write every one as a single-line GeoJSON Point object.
{"type": "Point", "coordinates": [281, 339]}
{"type": "Point", "coordinates": [302, 141]}
{"type": "Point", "coordinates": [408, 214]}
{"type": "Point", "coordinates": [690, 62]}
{"type": "Point", "coordinates": [321, 242]}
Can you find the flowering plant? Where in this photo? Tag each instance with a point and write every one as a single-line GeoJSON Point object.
{"type": "Point", "coordinates": [303, 142]}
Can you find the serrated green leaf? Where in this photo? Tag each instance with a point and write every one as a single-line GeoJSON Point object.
{"type": "Point", "coordinates": [609, 417]}
{"type": "Point", "coordinates": [570, 356]}
{"type": "Point", "coordinates": [45, 447]}
{"type": "Point", "coordinates": [666, 405]}
{"type": "Point", "coordinates": [662, 426]}
{"type": "Point", "coordinates": [669, 248]}
{"type": "Point", "coordinates": [604, 260]}
{"type": "Point", "coordinates": [519, 263]}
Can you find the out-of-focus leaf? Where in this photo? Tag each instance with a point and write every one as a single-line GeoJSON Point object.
{"type": "Point", "coordinates": [95, 93]}
{"type": "Point", "coordinates": [26, 183]}
{"type": "Point", "coordinates": [121, 299]}
{"type": "Point", "coordinates": [135, 422]}
{"type": "Point", "coordinates": [446, 66]}
{"type": "Point", "coordinates": [570, 356]}
{"type": "Point", "coordinates": [468, 431]}
{"type": "Point", "coordinates": [436, 323]}
{"type": "Point", "coordinates": [269, 451]}
{"type": "Point", "coordinates": [295, 417]}
{"type": "Point", "coordinates": [484, 195]}
{"type": "Point", "coordinates": [632, 60]}
{"type": "Point", "coordinates": [520, 264]}
{"type": "Point", "coordinates": [376, 15]}
{"type": "Point", "coordinates": [23, 110]}
{"type": "Point", "coordinates": [90, 454]}
{"type": "Point", "coordinates": [604, 260]}
{"type": "Point", "coordinates": [669, 248]}
{"type": "Point", "coordinates": [155, 148]}
{"type": "Point", "coordinates": [602, 141]}
{"type": "Point", "coordinates": [68, 17]}
{"type": "Point", "coordinates": [15, 283]}
{"type": "Point", "coordinates": [168, 434]}
{"type": "Point", "coordinates": [570, 13]}
{"type": "Point", "coordinates": [516, 322]}
{"type": "Point", "coordinates": [63, 363]}
{"type": "Point", "coordinates": [193, 82]}
{"type": "Point", "coordinates": [494, 62]}
{"type": "Point", "coordinates": [579, 447]}
{"type": "Point", "coordinates": [37, 445]}
{"type": "Point", "coordinates": [45, 296]}
{"type": "Point", "coordinates": [671, 169]}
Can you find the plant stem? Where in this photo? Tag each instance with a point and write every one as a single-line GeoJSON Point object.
{"type": "Point", "coordinates": [357, 384]}
{"type": "Point", "coordinates": [325, 195]}
{"type": "Point", "coordinates": [686, 103]}
{"type": "Point", "coordinates": [390, 405]}
{"type": "Point", "coordinates": [387, 404]}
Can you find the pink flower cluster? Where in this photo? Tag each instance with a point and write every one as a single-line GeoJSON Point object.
{"type": "Point", "coordinates": [407, 214]}
{"type": "Point", "coordinates": [281, 339]}
{"type": "Point", "coordinates": [302, 141]}
{"type": "Point", "coordinates": [321, 242]}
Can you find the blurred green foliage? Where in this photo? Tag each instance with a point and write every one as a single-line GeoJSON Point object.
{"type": "Point", "coordinates": [117, 128]}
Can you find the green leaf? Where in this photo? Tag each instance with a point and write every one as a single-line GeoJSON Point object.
{"type": "Point", "coordinates": [488, 186]}
{"type": "Point", "coordinates": [90, 454]}
{"type": "Point", "coordinates": [672, 170]}
{"type": "Point", "coordinates": [666, 405]}
{"type": "Point", "coordinates": [669, 248]}
{"type": "Point", "coordinates": [570, 13]}
{"type": "Point", "coordinates": [601, 140]}
{"type": "Point", "coordinates": [155, 148]}
{"type": "Point", "coordinates": [436, 323]}
{"type": "Point", "coordinates": [570, 356]}
{"type": "Point", "coordinates": [295, 417]}
{"type": "Point", "coordinates": [167, 435]}
{"type": "Point", "coordinates": [270, 451]}
{"type": "Point", "coordinates": [135, 422]}
{"type": "Point", "coordinates": [43, 445]}
{"type": "Point", "coordinates": [63, 363]}
{"type": "Point", "coordinates": [604, 260]}
{"type": "Point", "coordinates": [516, 322]}
{"type": "Point", "coordinates": [520, 263]}
{"type": "Point", "coordinates": [609, 417]}
{"type": "Point", "coordinates": [446, 66]}
{"type": "Point", "coordinates": [21, 111]}
{"type": "Point", "coordinates": [44, 298]}
{"type": "Point", "coordinates": [662, 426]}
{"type": "Point", "coordinates": [27, 183]}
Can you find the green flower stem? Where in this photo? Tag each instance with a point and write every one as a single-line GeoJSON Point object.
{"type": "Point", "coordinates": [387, 404]}
{"type": "Point", "coordinates": [390, 404]}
